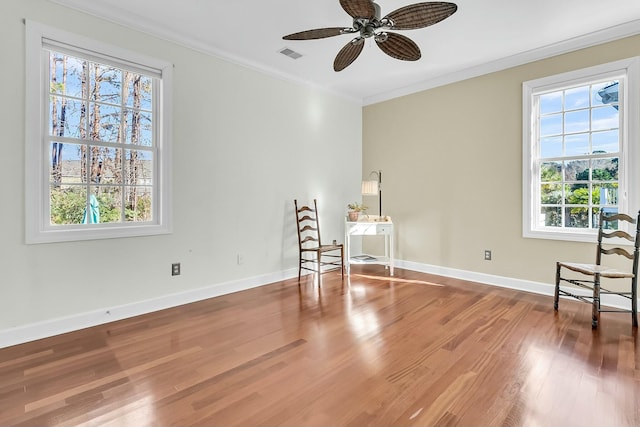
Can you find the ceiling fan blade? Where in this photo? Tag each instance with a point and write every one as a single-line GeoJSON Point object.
{"type": "Point", "coordinates": [398, 46]}
{"type": "Point", "coordinates": [348, 54]}
{"type": "Point", "coordinates": [318, 33]}
{"type": "Point", "coordinates": [420, 15]}
{"type": "Point", "coordinates": [359, 8]}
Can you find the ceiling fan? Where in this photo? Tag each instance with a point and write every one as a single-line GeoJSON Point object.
{"type": "Point", "coordinates": [367, 23]}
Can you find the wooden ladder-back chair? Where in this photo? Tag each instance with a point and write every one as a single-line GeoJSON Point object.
{"type": "Point", "coordinates": [598, 271]}
{"type": "Point", "coordinates": [314, 256]}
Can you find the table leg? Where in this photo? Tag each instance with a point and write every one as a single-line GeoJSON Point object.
{"type": "Point", "coordinates": [347, 240]}
{"type": "Point", "coordinates": [391, 253]}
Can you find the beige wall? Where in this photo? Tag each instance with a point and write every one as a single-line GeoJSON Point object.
{"type": "Point", "coordinates": [452, 164]}
{"type": "Point", "coordinates": [244, 146]}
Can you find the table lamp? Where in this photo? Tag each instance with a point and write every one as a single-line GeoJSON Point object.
{"type": "Point", "coordinates": [373, 187]}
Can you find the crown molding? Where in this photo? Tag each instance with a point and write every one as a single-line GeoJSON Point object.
{"type": "Point", "coordinates": [595, 38]}
{"type": "Point", "coordinates": [153, 28]}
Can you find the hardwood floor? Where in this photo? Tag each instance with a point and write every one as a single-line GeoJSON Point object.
{"type": "Point", "coordinates": [413, 350]}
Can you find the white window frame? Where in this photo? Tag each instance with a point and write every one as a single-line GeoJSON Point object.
{"type": "Point", "coordinates": [38, 228]}
{"type": "Point", "coordinates": [628, 175]}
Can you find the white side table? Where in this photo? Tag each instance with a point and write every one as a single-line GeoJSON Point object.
{"type": "Point", "coordinates": [369, 228]}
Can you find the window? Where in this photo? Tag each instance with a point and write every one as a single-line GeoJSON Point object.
{"type": "Point", "coordinates": [578, 140]}
{"type": "Point", "coordinates": [578, 150]}
{"type": "Point", "coordinates": [97, 159]}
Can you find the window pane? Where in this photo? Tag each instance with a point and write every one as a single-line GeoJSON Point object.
{"type": "Point", "coordinates": [138, 167]}
{"type": "Point", "coordinates": [106, 84]}
{"type": "Point", "coordinates": [65, 165]}
{"type": "Point", "coordinates": [605, 142]}
{"type": "Point", "coordinates": [551, 125]}
{"type": "Point", "coordinates": [109, 202]}
{"type": "Point", "coordinates": [66, 117]}
{"type": "Point", "coordinates": [106, 165]}
{"type": "Point", "coordinates": [551, 146]}
{"type": "Point", "coordinates": [576, 217]}
{"type": "Point", "coordinates": [139, 128]}
{"type": "Point", "coordinates": [576, 170]}
{"type": "Point", "coordinates": [604, 93]}
{"type": "Point", "coordinates": [576, 98]}
{"type": "Point", "coordinates": [551, 216]}
{"type": "Point", "coordinates": [576, 121]}
{"type": "Point", "coordinates": [551, 172]}
{"type": "Point", "coordinates": [604, 118]}
{"type": "Point", "coordinates": [68, 204]}
{"type": "Point", "coordinates": [66, 74]}
{"type": "Point", "coordinates": [550, 194]}
{"type": "Point", "coordinates": [606, 194]}
{"type": "Point", "coordinates": [138, 90]}
{"type": "Point", "coordinates": [605, 169]}
{"type": "Point", "coordinates": [576, 194]}
{"type": "Point", "coordinates": [576, 144]}
{"type": "Point", "coordinates": [551, 102]}
{"type": "Point", "coordinates": [138, 204]}
{"type": "Point", "coordinates": [105, 122]}
{"type": "Point", "coordinates": [91, 215]}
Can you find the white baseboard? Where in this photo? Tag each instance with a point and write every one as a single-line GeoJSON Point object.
{"type": "Point", "coordinates": [48, 328]}
{"type": "Point", "coordinates": [614, 301]}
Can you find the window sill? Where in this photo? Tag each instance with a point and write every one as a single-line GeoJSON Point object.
{"type": "Point", "coordinates": [590, 236]}
{"type": "Point", "coordinates": [571, 236]}
{"type": "Point", "coordinates": [67, 235]}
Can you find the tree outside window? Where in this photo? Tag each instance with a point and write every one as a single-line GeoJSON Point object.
{"type": "Point", "coordinates": [101, 139]}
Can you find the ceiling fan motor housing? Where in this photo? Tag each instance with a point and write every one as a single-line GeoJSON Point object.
{"type": "Point", "coordinates": [367, 26]}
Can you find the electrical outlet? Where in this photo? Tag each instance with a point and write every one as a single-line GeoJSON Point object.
{"type": "Point", "coordinates": [240, 259]}
{"type": "Point", "coordinates": [175, 269]}
{"type": "Point", "coordinates": [487, 255]}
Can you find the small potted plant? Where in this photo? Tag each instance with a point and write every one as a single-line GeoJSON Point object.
{"type": "Point", "coordinates": [355, 209]}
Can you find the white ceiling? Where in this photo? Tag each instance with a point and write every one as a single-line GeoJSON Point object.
{"type": "Point", "coordinates": [482, 36]}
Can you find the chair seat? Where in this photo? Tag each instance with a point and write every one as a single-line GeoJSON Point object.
{"type": "Point", "coordinates": [593, 269]}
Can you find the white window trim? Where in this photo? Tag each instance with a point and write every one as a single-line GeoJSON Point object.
{"type": "Point", "coordinates": [629, 176]}
{"type": "Point", "coordinates": [37, 227]}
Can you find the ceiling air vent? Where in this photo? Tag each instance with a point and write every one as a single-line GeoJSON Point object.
{"type": "Point", "coordinates": [290, 53]}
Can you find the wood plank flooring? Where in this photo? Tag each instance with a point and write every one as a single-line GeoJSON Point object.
{"type": "Point", "coordinates": [412, 350]}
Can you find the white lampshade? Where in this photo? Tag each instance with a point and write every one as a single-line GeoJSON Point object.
{"type": "Point", "coordinates": [370, 188]}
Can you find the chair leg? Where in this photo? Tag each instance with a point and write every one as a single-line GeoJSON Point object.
{"type": "Point", "coordinates": [318, 255]}
{"type": "Point", "coordinates": [342, 262]}
{"type": "Point", "coordinates": [595, 312]}
{"type": "Point", "coordinates": [634, 303]}
{"type": "Point", "coordinates": [299, 269]}
{"type": "Point", "coordinates": [556, 296]}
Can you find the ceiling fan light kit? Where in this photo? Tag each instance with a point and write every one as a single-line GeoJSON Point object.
{"type": "Point", "coordinates": [367, 23]}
